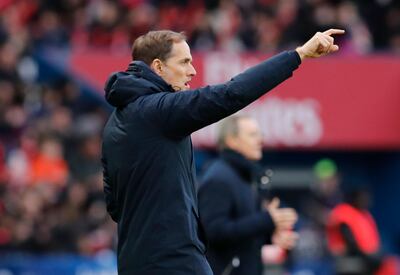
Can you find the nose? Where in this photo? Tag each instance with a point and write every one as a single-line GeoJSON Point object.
{"type": "Point", "coordinates": [192, 70]}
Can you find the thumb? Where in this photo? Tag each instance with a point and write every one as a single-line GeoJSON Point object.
{"type": "Point", "coordinates": [274, 204]}
{"type": "Point", "coordinates": [334, 48]}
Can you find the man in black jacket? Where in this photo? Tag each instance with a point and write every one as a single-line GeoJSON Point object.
{"type": "Point", "coordinates": [235, 220]}
{"type": "Point", "coordinates": [149, 172]}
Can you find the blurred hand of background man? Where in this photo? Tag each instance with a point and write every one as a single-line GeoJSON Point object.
{"type": "Point", "coordinates": [283, 218]}
{"type": "Point", "coordinates": [285, 239]}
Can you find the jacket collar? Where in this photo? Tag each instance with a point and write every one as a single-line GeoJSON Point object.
{"type": "Point", "coordinates": [142, 70]}
{"type": "Point", "coordinates": [247, 169]}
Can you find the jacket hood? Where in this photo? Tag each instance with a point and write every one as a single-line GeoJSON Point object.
{"type": "Point", "coordinates": [122, 88]}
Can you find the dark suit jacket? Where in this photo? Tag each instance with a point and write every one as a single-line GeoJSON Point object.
{"type": "Point", "coordinates": [230, 211]}
{"type": "Point", "coordinates": [149, 172]}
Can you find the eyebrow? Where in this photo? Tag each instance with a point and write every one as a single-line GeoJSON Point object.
{"type": "Point", "coordinates": [187, 60]}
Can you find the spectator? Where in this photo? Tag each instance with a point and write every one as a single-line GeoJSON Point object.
{"type": "Point", "coordinates": [49, 166]}
{"type": "Point", "coordinates": [353, 235]}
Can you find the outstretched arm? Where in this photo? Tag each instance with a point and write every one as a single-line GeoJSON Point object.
{"type": "Point", "coordinates": [182, 113]}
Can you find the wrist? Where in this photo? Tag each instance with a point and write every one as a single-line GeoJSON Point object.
{"type": "Point", "coordinates": [301, 53]}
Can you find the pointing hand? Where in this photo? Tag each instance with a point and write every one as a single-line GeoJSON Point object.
{"type": "Point", "coordinates": [322, 43]}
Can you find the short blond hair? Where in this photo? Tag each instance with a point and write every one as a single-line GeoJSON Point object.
{"type": "Point", "coordinates": [155, 44]}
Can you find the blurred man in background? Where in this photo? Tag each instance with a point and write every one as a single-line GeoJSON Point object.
{"type": "Point", "coordinates": [149, 172]}
{"type": "Point", "coordinates": [236, 224]}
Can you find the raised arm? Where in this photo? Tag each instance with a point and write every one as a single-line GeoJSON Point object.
{"type": "Point", "coordinates": [182, 113]}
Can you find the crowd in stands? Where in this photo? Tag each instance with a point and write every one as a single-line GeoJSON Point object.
{"type": "Point", "coordinates": [235, 25]}
{"type": "Point", "coordinates": [51, 195]}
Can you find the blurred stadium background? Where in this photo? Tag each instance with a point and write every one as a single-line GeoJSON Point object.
{"type": "Point", "coordinates": [333, 126]}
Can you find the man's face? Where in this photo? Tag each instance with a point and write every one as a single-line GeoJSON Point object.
{"type": "Point", "coordinates": [248, 141]}
{"type": "Point", "coordinates": [178, 70]}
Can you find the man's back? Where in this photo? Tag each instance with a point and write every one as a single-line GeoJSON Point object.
{"type": "Point", "coordinates": [152, 196]}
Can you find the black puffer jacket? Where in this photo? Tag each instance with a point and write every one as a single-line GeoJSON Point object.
{"type": "Point", "coordinates": [149, 175]}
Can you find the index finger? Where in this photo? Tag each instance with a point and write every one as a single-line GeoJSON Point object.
{"type": "Point", "coordinates": [334, 31]}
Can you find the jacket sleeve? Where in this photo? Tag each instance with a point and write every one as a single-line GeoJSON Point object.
{"type": "Point", "coordinates": [181, 113]}
{"type": "Point", "coordinates": [216, 207]}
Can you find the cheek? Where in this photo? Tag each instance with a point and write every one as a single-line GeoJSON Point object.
{"type": "Point", "coordinates": [169, 74]}
{"type": "Point", "coordinates": [256, 145]}
{"type": "Point", "coordinates": [181, 71]}
{"type": "Point", "coordinates": [254, 142]}
{"type": "Point", "coordinates": [249, 147]}
{"type": "Point", "coordinates": [175, 75]}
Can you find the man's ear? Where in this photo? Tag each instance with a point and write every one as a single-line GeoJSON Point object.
{"type": "Point", "coordinates": [156, 66]}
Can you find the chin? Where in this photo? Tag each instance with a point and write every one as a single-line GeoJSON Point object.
{"type": "Point", "coordinates": [180, 88]}
{"type": "Point", "coordinates": [254, 157]}
{"type": "Point", "coordinates": [257, 157]}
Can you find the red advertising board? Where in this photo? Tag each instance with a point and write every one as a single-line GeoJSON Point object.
{"type": "Point", "coordinates": [330, 103]}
